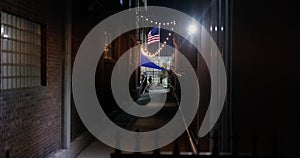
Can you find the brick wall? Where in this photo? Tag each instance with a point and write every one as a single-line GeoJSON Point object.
{"type": "Point", "coordinates": [30, 119]}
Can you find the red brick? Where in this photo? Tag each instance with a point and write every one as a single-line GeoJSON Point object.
{"type": "Point", "coordinates": [30, 118]}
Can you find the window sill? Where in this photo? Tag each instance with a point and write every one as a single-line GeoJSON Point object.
{"type": "Point", "coordinates": [28, 90]}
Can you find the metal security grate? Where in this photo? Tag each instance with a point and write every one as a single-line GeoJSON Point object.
{"type": "Point", "coordinates": [21, 49]}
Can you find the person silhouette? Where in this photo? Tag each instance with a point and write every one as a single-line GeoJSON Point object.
{"type": "Point", "coordinates": [150, 80]}
{"type": "Point", "coordinates": [144, 83]}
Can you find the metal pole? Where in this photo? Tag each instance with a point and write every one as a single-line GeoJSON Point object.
{"type": "Point", "coordinates": [66, 88]}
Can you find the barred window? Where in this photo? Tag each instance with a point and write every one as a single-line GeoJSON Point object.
{"type": "Point", "coordinates": [21, 49]}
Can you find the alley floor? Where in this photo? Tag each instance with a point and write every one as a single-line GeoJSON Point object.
{"type": "Point", "coordinates": [99, 150]}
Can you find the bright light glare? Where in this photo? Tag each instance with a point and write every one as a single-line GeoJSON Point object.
{"type": "Point", "coordinates": [2, 30]}
{"type": "Point", "coordinates": [192, 29]}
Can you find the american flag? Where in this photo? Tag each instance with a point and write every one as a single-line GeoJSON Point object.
{"type": "Point", "coordinates": [153, 35]}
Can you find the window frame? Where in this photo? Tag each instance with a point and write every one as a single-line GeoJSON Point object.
{"type": "Point", "coordinates": [43, 54]}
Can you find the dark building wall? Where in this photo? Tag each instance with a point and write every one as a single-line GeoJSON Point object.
{"type": "Point", "coordinates": [200, 68]}
{"type": "Point", "coordinates": [30, 118]}
{"type": "Point", "coordinates": [82, 22]}
{"type": "Point", "coordinates": [85, 16]}
{"type": "Point", "coordinates": [264, 82]}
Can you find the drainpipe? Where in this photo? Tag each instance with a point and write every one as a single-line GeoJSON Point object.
{"type": "Point", "coordinates": [66, 86]}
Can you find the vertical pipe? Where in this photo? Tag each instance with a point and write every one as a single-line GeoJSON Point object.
{"type": "Point", "coordinates": [66, 87]}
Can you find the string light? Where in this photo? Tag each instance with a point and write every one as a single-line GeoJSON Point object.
{"type": "Point", "coordinates": [148, 19]}
{"type": "Point", "coordinates": [150, 54]}
{"type": "Point", "coordinates": [156, 22]}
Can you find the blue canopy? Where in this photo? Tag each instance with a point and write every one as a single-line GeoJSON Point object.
{"type": "Point", "coordinates": [146, 62]}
